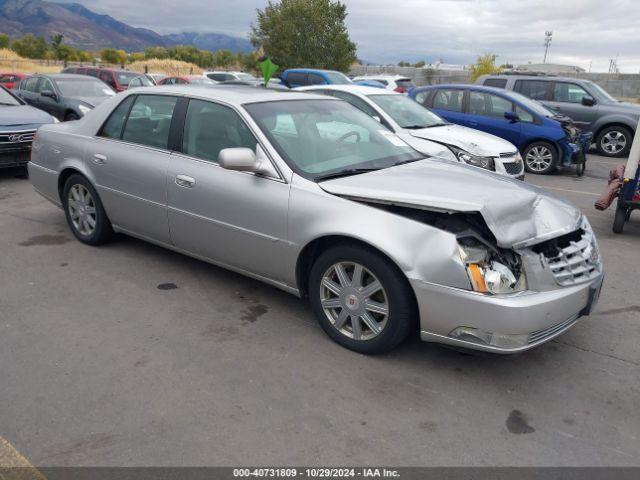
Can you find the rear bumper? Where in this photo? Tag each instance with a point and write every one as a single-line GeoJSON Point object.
{"type": "Point", "coordinates": [533, 317]}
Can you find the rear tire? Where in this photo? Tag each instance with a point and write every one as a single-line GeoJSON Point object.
{"type": "Point", "coordinates": [614, 141]}
{"type": "Point", "coordinates": [540, 157]}
{"type": "Point", "coordinates": [580, 168]}
{"type": "Point", "coordinates": [347, 303]}
{"type": "Point", "coordinates": [84, 211]}
{"type": "Point", "coordinates": [619, 219]}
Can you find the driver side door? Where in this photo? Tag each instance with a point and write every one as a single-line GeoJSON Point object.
{"type": "Point", "coordinates": [236, 219]}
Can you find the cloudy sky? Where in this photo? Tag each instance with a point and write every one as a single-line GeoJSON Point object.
{"type": "Point", "coordinates": [585, 32]}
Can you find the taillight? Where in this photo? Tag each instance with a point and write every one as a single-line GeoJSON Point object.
{"type": "Point", "coordinates": [400, 90]}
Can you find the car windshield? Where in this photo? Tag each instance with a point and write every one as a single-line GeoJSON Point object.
{"type": "Point", "coordinates": [532, 105]}
{"type": "Point", "coordinates": [600, 92]}
{"type": "Point", "coordinates": [324, 138]}
{"type": "Point", "coordinates": [83, 88]}
{"type": "Point", "coordinates": [125, 77]}
{"type": "Point", "coordinates": [7, 99]}
{"type": "Point", "coordinates": [407, 113]}
{"type": "Point", "coordinates": [337, 78]}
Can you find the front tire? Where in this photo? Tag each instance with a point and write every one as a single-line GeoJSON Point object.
{"type": "Point", "coordinates": [361, 299]}
{"type": "Point", "coordinates": [614, 141]}
{"type": "Point", "coordinates": [84, 211]}
{"type": "Point", "coordinates": [540, 157]}
{"type": "Point", "coordinates": [619, 219]}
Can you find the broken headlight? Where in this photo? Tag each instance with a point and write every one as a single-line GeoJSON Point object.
{"type": "Point", "coordinates": [475, 160]}
{"type": "Point", "coordinates": [490, 272]}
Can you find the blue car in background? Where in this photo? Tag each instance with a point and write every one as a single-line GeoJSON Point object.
{"type": "Point", "coordinates": [545, 138]}
{"type": "Point", "coordinates": [304, 77]}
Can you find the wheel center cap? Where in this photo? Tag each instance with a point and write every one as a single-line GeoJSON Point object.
{"type": "Point", "coordinates": [352, 302]}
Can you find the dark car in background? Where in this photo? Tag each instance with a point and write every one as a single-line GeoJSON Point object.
{"type": "Point", "coordinates": [18, 125]}
{"type": "Point", "coordinates": [612, 122]}
{"type": "Point", "coordinates": [118, 80]}
{"type": "Point", "coordinates": [65, 96]}
{"type": "Point", "coordinates": [302, 77]}
{"type": "Point", "coordinates": [545, 139]}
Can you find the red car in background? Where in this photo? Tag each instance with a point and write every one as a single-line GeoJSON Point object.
{"type": "Point", "coordinates": [188, 79]}
{"type": "Point", "coordinates": [10, 80]}
{"type": "Point", "coordinates": [118, 80]}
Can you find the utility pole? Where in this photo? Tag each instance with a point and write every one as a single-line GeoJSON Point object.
{"type": "Point", "coordinates": [548, 35]}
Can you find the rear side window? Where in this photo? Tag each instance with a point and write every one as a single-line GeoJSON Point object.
{"type": "Point", "coordinates": [488, 105]}
{"type": "Point", "coordinates": [450, 100]}
{"type": "Point", "coordinates": [113, 126]}
{"type": "Point", "coordinates": [535, 89]}
{"type": "Point", "coordinates": [92, 72]}
{"type": "Point", "coordinates": [495, 82]}
{"type": "Point", "coordinates": [210, 127]}
{"type": "Point", "coordinates": [149, 121]}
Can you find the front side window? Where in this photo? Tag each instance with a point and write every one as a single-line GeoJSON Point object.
{"type": "Point", "coordinates": [44, 85]}
{"type": "Point", "coordinates": [107, 78]}
{"type": "Point", "coordinates": [568, 92]}
{"type": "Point", "coordinates": [535, 89]}
{"type": "Point", "coordinates": [315, 79]}
{"type": "Point", "coordinates": [407, 113]}
{"type": "Point", "coordinates": [210, 127]}
{"type": "Point", "coordinates": [125, 77]}
{"type": "Point", "coordinates": [29, 84]}
{"type": "Point", "coordinates": [114, 125]}
{"type": "Point", "coordinates": [324, 137]}
{"type": "Point", "coordinates": [524, 115]}
{"type": "Point", "coordinates": [337, 78]}
{"type": "Point", "coordinates": [449, 100]}
{"type": "Point", "coordinates": [488, 105]}
{"type": "Point", "coordinates": [149, 121]}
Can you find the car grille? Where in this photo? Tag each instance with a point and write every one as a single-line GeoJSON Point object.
{"type": "Point", "coordinates": [550, 331]}
{"type": "Point", "coordinates": [16, 142]}
{"type": "Point", "coordinates": [577, 263]}
{"type": "Point", "coordinates": [513, 168]}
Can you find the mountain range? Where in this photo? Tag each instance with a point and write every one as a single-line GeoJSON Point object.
{"type": "Point", "coordinates": [88, 30]}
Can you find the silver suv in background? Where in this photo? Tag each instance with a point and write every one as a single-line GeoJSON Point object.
{"type": "Point", "coordinates": [612, 122]}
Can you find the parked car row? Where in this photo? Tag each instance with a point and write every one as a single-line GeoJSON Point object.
{"type": "Point", "coordinates": [307, 193]}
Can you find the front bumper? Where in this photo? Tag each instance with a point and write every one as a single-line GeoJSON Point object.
{"type": "Point", "coordinates": [535, 316]}
{"type": "Point", "coordinates": [14, 159]}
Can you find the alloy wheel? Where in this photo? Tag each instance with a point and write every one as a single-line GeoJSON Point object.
{"type": "Point", "coordinates": [354, 301]}
{"type": "Point", "coordinates": [539, 158]}
{"type": "Point", "coordinates": [613, 142]}
{"type": "Point", "coordinates": [82, 210]}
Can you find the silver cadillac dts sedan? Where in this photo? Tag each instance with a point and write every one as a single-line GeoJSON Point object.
{"type": "Point", "coordinates": [311, 195]}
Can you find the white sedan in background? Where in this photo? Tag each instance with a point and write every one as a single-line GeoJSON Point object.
{"type": "Point", "coordinates": [397, 83]}
{"type": "Point", "coordinates": [421, 128]}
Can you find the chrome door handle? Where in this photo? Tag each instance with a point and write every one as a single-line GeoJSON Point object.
{"type": "Point", "coordinates": [99, 159]}
{"type": "Point", "coordinates": [185, 181]}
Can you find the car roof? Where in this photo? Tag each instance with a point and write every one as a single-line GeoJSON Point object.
{"type": "Point", "coordinates": [233, 94]}
{"type": "Point", "coordinates": [383, 75]}
{"type": "Point", "coordinates": [549, 78]}
{"type": "Point", "coordinates": [361, 89]}
{"type": "Point", "coordinates": [68, 76]}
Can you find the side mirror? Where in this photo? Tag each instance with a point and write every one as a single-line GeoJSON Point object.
{"type": "Point", "coordinates": [246, 160]}
{"type": "Point", "coordinates": [588, 101]}
{"type": "Point", "coordinates": [49, 94]}
{"type": "Point", "coordinates": [511, 116]}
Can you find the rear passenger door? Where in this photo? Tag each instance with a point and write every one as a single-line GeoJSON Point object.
{"type": "Point", "coordinates": [485, 111]}
{"type": "Point", "coordinates": [129, 160]}
{"type": "Point", "coordinates": [234, 218]}
{"type": "Point", "coordinates": [448, 103]}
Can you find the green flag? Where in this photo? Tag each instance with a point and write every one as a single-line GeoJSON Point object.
{"type": "Point", "coordinates": [268, 69]}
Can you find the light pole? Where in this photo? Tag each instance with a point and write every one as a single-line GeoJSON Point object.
{"type": "Point", "coordinates": [548, 35]}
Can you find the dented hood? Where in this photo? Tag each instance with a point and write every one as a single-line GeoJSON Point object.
{"type": "Point", "coordinates": [517, 214]}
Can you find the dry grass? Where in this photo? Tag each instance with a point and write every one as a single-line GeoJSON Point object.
{"type": "Point", "coordinates": [12, 62]}
{"type": "Point", "coordinates": [168, 67]}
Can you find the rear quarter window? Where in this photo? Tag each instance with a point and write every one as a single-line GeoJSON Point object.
{"type": "Point", "coordinates": [495, 82]}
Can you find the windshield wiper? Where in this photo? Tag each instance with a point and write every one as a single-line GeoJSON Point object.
{"type": "Point", "coordinates": [417, 127]}
{"type": "Point", "coordinates": [344, 173]}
